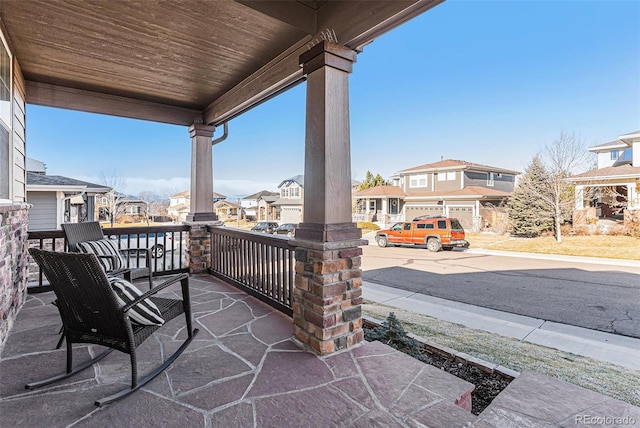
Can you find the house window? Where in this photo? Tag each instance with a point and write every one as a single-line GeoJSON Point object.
{"type": "Point", "coordinates": [285, 192]}
{"type": "Point", "coordinates": [615, 154]}
{"type": "Point", "coordinates": [372, 206]}
{"type": "Point", "coordinates": [295, 192]}
{"type": "Point", "coordinates": [490, 178]}
{"type": "Point", "coordinates": [5, 120]}
{"type": "Point", "coordinates": [418, 180]}
{"type": "Point", "coordinates": [446, 176]}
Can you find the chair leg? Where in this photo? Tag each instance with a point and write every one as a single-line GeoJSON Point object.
{"type": "Point", "coordinates": [148, 378]}
{"type": "Point", "coordinates": [69, 373]}
{"type": "Point", "coordinates": [61, 333]}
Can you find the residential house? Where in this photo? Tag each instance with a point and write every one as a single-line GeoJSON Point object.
{"type": "Point", "coordinates": [250, 204]}
{"type": "Point", "coordinates": [619, 170]}
{"type": "Point", "coordinates": [266, 210]}
{"type": "Point", "coordinates": [453, 188]}
{"type": "Point", "coordinates": [291, 200]}
{"type": "Point", "coordinates": [226, 210]}
{"type": "Point", "coordinates": [180, 204]}
{"type": "Point", "coordinates": [56, 199]}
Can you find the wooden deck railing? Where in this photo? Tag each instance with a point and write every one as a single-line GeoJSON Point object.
{"type": "Point", "coordinates": [168, 255]}
{"type": "Point", "coordinates": [260, 264]}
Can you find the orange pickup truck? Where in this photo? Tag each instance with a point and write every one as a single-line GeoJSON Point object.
{"type": "Point", "coordinates": [434, 232]}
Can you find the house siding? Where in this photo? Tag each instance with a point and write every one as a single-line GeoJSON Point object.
{"type": "Point", "coordinates": [19, 132]}
{"type": "Point", "coordinates": [43, 214]}
{"type": "Point", "coordinates": [504, 183]}
{"type": "Point", "coordinates": [446, 185]}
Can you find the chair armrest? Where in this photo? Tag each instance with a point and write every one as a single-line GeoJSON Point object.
{"type": "Point", "coordinates": [183, 278]}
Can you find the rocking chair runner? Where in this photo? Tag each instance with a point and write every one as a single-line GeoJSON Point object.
{"type": "Point", "coordinates": [77, 233]}
{"type": "Point", "coordinates": [91, 313]}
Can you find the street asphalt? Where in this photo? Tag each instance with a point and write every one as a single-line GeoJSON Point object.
{"type": "Point", "coordinates": [614, 348]}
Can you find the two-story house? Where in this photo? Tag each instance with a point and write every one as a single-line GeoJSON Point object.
{"type": "Point", "coordinates": [179, 204]}
{"type": "Point", "coordinates": [291, 200]}
{"type": "Point", "coordinates": [250, 204]}
{"type": "Point", "coordinates": [451, 188]}
{"type": "Point", "coordinates": [618, 169]}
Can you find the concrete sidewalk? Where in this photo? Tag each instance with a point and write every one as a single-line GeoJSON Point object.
{"type": "Point", "coordinates": [621, 350]}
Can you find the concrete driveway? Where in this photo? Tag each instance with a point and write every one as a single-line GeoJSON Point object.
{"type": "Point", "coordinates": [595, 296]}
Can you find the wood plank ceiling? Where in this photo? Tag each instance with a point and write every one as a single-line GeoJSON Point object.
{"type": "Point", "coordinates": [179, 61]}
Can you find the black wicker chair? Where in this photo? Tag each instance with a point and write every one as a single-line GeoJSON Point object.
{"type": "Point", "coordinates": [76, 233]}
{"type": "Point", "coordinates": [91, 313]}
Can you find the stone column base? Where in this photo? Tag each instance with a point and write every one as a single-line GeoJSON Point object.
{"type": "Point", "coordinates": [199, 246]}
{"type": "Point", "coordinates": [327, 313]}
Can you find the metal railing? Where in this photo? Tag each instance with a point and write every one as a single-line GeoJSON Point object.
{"type": "Point", "coordinates": [167, 246]}
{"type": "Point", "coordinates": [260, 264]}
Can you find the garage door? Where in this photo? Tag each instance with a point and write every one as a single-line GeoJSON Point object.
{"type": "Point", "coordinates": [413, 212]}
{"type": "Point", "coordinates": [464, 214]}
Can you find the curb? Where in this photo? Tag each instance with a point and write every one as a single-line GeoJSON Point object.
{"type": "Point", "coordinates": [452, 354]}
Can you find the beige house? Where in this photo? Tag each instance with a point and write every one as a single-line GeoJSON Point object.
{"type": "Point", "coordinates": [619, 170]}
{"type": "Point", "coordinates": [179, 204]}
{"type": "Point", "coordinates": [450, 188]}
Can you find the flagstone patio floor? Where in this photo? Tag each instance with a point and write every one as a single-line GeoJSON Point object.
{"type": "Point", "coordinates": [243, 370]}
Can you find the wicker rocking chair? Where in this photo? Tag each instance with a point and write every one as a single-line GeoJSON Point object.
{"type": "Point", "coordinates": [92, 312]}
{"type": "Point", "coordinates": [77, 233]}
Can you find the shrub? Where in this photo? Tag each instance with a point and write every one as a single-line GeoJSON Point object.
{"type": "Point", "coordinates": [393, 334]}
{"type": "Point", "coordinates": [367, 226]}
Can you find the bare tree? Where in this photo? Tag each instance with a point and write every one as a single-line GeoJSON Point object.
{"type": "Point", "coordinates": [563, 157]}
{"type": "Point", "coordinates": [113, 200]}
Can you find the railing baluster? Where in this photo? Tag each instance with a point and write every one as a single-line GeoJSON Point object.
{"type": "Point", "coordinates": [260, 264]}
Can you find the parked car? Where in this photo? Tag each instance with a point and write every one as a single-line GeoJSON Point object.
{"type": "Point", "coordinates": [265, 227]}
{"type": "Point", "coordinates": [157, 243]}
{"type": "Point", "coordinates": [434, 232]}
{"type": "Point", "coordinates": [288, 229]}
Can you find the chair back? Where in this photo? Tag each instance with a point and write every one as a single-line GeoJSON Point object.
{"type": "Point", "coordinates": [81, 232]}
{"type": "Point", "coordinates": [87, 303]}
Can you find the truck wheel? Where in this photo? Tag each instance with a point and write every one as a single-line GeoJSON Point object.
{"type": "Point", "coordinates": [382, 241]}
{"type": "Point", "coordinates": [157, 251]}
{"type": "Point", "coordinates": [433, 245]}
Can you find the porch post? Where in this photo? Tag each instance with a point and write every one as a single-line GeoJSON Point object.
{"type": "Point", "coordinates": [201, 203]}
{"type": "Point", "coordinates": [327, 297]}
{"type": "Point", "coordinates": [201, 212]}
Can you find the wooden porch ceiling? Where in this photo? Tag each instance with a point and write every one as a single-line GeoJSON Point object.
{"type": "Point", "coordinates": [179, 61]}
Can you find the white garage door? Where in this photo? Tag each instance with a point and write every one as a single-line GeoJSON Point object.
{"type": "Point", "coordinates": [413, 212]}
{"type": "Point", "coordinates": [464, 214]}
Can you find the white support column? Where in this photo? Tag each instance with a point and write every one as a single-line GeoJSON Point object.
{"type": "Point", "coordinates": [579, 197]}
{"type": "Point", "coordinates": [201, 203]}
{"type": "Point", "coordinates": [633, 198]}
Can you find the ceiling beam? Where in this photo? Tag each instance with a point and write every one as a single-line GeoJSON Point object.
{"type": "Point", "coordinates": [290, 12]}
{"type": "Point", "coordinates": [284, 71]}
{"type": "Point", "coordinates": [96, 102]}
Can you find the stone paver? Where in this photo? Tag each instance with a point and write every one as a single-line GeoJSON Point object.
{"type": "Point", "coordinates": [242, 370]}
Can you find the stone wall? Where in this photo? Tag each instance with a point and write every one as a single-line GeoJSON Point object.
{"type": "Point", "coordinates": [327, 313]}
{"type": "Point", "coordinates": [13, 263]}
{"type": "Point", "coordinates": [199, 247]}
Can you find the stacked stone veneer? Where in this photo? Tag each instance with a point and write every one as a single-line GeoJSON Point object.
{"type": "Point", "coordinates": [198, 248]}
{"type": "Point", "coordinates": [13, 263]}
{"type": "Point", "coordinates": [328, 296]}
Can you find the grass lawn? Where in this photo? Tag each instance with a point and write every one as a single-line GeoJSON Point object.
{"type": "Point", "coordinates": [615, 247]}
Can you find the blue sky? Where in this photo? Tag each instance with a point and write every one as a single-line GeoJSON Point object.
{"type": "Point", "coordinates": [489, 82]}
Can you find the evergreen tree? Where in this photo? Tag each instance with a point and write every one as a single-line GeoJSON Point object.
{"type": "Point", "coordinates": [528, 212]}
{"type": "Point", "coordinates": [371, 181]}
